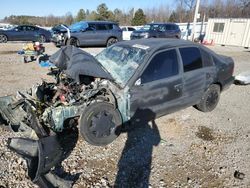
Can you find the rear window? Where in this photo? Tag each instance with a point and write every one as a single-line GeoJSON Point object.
{"type": "Point", "coordinates": [191, 58]}
{"type": "Point", "coordinates": [101, 27]}
{"type": "Point", "coordinates": [206, 58]}
{"type": "Point", "coordinates": [116, 27]}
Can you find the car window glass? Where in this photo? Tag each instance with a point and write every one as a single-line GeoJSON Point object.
{"type": "Point", "coordinates": [91, 27]}
{"type": "Point", "coordinates": [173, 27]}
{"type": "Point", "coordinates": [109, 26]}
{"type": "Point", "coordinates": [124, 29]}
{"type": "Point", "coordinates": [163, 65]}
{"type": "Point", "coordinates": [20, 28]}
{"type": "Point", "coordinates": [30, 28]}
{"type": "Point", "coordinates": [101, 27]}
{"type": "Point", "coordinates": [191, 58]}
{"type": "Point", "coordinates": [176, 27]}
{"type": "Point", "coordinates": [206, 58]}
{"type": "Point", "coordinates": [115, 26]}
{"type": "Point", "coordinates": [154, 27]}
{"type": "Point", "coordinates": [131, 29]}
{"type": "Point", "coordinates": [168, 27]}
{"type": "Point", "coordinates": [162, 28]}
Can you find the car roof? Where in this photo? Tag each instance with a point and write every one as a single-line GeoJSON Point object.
{"type": "Point", "coordinates": [101, 22]}
{"type": "Point", "coordinates": [153, 44]}
{"type": "Point", "coordinates": [161, 23]}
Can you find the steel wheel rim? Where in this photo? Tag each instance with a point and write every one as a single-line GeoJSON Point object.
{"type": "Point", "coordinates": [111, 42]}
{"type": "Point", "coordinates": [73, 42]}
{"type": "Point", "coordinates": [3, 39]}
{"type": "Point", "coordinates": [102, 125]}
{"type": "Point", "coordinates": [42, 39]}
{"type": "Point", "coordinates": [212, 99]}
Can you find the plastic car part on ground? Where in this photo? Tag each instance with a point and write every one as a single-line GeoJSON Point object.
{"type": "Point", "coordinates": [243, 78]}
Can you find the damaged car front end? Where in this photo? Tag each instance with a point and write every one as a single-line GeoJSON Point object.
{"type": "Point", "coordinates": [82, 94]}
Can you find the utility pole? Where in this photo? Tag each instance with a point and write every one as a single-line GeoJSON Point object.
{"type": "Point", "coordinates": [196, 13]}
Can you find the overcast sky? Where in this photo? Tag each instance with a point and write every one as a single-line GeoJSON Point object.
{"type": "Point", "coordinates": [61, 7]}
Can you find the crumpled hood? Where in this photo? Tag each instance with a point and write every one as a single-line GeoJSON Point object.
{"type": "Point", "coordinates": [75, 62]}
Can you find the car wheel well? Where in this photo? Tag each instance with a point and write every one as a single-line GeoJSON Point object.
{"type": "Point", "coordinates": [219, 84]}
{"type": "Point", "coordinates": [42, 35]}
{"type": "Point", "coordinates": [68, 39]}
{"type": "Point", "coordinates": [112, 37]}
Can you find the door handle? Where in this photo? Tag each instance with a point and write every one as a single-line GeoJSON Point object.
{"type": "Point", "coordinates": [178, 87]}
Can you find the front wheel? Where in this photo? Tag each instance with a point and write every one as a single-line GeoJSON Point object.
{"type": "Point", "coordinates": [73, 42]}
{"type": "Point", "coordinates": [100, 123]}
{"type": "Point", "coordinates": [111, 41]}
{"type": "Point", "coordinates": [209, 99]}
{"type": "Point", "coordinates": [3, 39]}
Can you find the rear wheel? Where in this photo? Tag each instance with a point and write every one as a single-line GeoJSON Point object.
{"type": "Point", "coordinates": [111, 41]}
{"type": "Point", "coordinates": [209, 99]}
{"type": "Point", "coordinates": [3, 39]}
{"type": "Point", "coordinates": [42, 39]}
{"type": "Point", "coordinates": [100, 123]}
{"type": "Point", "coordinates": [73, 42]}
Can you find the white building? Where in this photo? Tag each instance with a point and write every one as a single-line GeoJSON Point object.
{"type": "Point", "coordinates": [233, 32]}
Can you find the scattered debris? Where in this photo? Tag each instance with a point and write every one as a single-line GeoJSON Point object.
{"type": "Point", "coordinates": [33, 52]}
{"type": "Point", "coordinates": [239, 175]}
{"type": "Point", "coordinates": [243, 78]}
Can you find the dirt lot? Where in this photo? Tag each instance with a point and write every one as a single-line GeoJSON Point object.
{"type": "Point", "coordinates": [189, 148]}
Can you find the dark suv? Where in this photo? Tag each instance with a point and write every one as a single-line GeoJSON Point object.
{"type": "Point", "coordinates": [89, 33]}
{"type": "Point", "coordinates": [157, 30]}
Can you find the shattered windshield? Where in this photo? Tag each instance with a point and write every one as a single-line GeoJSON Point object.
{"type": "Point", "coordinates": [121, 61]}
{"type": "Point", "coordinates": [78, 26]}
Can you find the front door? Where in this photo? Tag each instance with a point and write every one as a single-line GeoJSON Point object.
{"type": "Point", "coordinates": [159, 87]}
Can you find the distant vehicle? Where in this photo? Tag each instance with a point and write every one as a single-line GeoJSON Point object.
{"type": "Point", "coordinates": [59, 29]}
{"type": "Point", "coordinates": [126, 32]}
{"type": "Point", "coordinates": [157, 30]}
{"type": "Point", "coordinates": [89, 33]}
{"type": "Point", "coordinates": [25, 33]}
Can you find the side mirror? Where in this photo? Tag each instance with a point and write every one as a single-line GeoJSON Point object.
{"type": "Point", "coordinates": [138, 82]}
{"type": "Point", "coordinates": [16, 29]}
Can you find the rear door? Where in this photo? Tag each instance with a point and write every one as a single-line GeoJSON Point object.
{"type": "Point", "coordinates": [194, 76]}
{"type": "Point", "coordinates": [170, 31]}
{"type": "Point", "coordinates": [103, 31]}
{"type": "Point", "coordinates": [162, 31]}
{"type": "Point", "coordinates": [159, 86]}
{"type": "Point", "coordinates": [19, 33]}
{"type": "Point", "coordinates": [31, 33]}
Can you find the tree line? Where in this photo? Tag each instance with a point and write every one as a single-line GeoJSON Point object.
{"type": "Point", "coordinates": [183, 12]}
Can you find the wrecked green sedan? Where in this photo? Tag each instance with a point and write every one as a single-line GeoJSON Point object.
{"type": "Point", "coordinates": [101, 93]}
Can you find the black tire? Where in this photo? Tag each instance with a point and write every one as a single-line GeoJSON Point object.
{"type": "Point", "coordinates": [209, 99]}
{"type": "Point", "coordinates": [111, 41]}
{"type": "Point", "coordinates": [42, 39]}
{"type": "Point", "coordinates": [3, 39]}
{"type": "Point", "coordinates": [73, 42]}
{"type": "Point", "coordinates": [100, 123]}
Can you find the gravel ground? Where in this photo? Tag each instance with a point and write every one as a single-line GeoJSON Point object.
{"type": "Point", "coordinates": [184, 149]}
